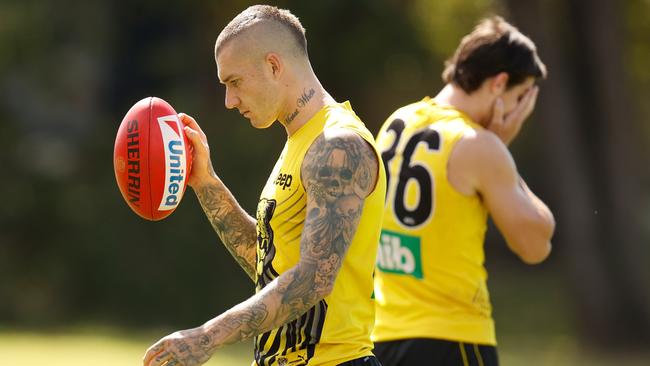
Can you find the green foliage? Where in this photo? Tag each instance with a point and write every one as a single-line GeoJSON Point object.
{"type": "Point", "coordinates": [442, 24]}
{"type": "Point", "coordinates": [637, 56]}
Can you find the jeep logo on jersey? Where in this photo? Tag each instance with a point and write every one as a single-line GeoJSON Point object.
{"type": "Point", "coordinates": [399, 254]}
{"type": "Point", "coordinates": [284, 180]}
{"type": "Point", "coordinates": [171, 128]}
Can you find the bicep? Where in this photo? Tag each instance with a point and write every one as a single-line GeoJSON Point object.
{"type": "Point", "coordinates": [339, 171]}
{"type": "Point", "coordinates": [502, 193]}
{"type": "Point", "coordinates": [506, 203]}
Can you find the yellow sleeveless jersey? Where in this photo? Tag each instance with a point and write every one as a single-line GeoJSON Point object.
{"type": "Point", "coordinates": [338, 328]}
{"type": "Point", "coordinates": [430, 280]}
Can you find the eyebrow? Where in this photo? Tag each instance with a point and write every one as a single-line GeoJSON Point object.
{"type": "Point", "coordinates": [228, 78]}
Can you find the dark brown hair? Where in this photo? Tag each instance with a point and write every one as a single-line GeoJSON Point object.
{"type": "Point", "coordinates": [494, 46]}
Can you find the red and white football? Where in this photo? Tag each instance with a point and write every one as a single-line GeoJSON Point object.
{"type": "Point", "coordinates": [152, 159]}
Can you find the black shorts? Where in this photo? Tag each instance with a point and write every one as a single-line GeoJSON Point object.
{"type": "Point", "coordinates": [434, 352]}
{"type": "Point", "coordinates": [363, 361]}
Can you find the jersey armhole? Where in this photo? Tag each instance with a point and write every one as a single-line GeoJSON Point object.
{"type": "Point", "coordinates": [380, 167]}
{"type": "Point", "coordinates": [454, 145]}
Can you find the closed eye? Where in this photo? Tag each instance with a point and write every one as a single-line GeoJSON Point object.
{"type": "Point", "coordinates": [520, 97]}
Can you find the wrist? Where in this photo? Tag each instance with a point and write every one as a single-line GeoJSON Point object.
{"type": "Point", "coordinates": [212, 337]}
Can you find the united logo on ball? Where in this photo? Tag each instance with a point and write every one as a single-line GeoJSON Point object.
{"type": "Point", "coordinates": [152, 159]}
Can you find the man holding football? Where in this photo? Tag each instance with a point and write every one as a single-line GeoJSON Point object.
{"type": "Point", "coordinates": [312, 246]}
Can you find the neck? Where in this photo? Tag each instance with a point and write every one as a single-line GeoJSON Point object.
{"type": "Point", "coordinates": [472, 105]}
{"type": "Point", "coordinates": [306, 99]}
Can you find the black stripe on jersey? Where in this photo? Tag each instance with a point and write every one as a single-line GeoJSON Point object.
{"type": "Point", "coordinates": [275, 346]}
{"type": "Point", "coordinates": [287, 221]}
{"type": "Point", "coordinates": [299, 334]}
{"type": "Point", "coordinates": [292, 194]}
{"type": "Point", "coordinates": [318, 330]}
{"type": "Point", "coordinates": [260, 341]}
{"type": "Point", "coordinates": [303, 333]}
{"type": "Point", "coordinates": [265, 242]}
{"type": "Point", "coordinates": [266, 357]}
{"type": "Point", "coordinates": [268, 272]}
{"type": "Point", "coordinates": [307, 336]}
{"type": "Point", "coordinates": [293, 228]}
{"type": "Point", "coordinates": [290, 206]}
{"type": "Point", "coordinates": [295, 237]}
{"type": "Point", "coordinates": [291, 338]}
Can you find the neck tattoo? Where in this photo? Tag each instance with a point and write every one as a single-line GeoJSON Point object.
{"type": "Point", "coordinates": [302, 101]}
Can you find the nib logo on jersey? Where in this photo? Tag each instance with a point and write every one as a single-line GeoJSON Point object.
{"type": "Point", "coordinates": [171, 130]}
{"type": "Point", "coordinates": [399, 254]}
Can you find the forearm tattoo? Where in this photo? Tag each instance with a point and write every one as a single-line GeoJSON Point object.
{"type": "Point", "coordinates": [234, 226]}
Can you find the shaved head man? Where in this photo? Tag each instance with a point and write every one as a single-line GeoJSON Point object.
{"type": "Point", "coordinates": [311, 246]}
{"type": "Point", "coordinates": [266, 44]}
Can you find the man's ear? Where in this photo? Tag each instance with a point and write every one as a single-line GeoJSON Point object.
{"type": "Point", "coordinates": [275, 65]}
{"type": "Point", "coordinates": [499, 83]}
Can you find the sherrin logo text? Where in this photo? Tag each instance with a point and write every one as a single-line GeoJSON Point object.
{"type": "Point", "coordinates": [174, 161]}
{"type": "Point", "coordinates": [133, 162]}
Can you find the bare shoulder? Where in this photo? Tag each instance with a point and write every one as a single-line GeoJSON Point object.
{"type": "Point", "coordinates": [477, 157]}
{"type": "Point", "coordinates": [340, 162]}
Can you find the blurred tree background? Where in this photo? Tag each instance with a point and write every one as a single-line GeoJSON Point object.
{"type": "Point", "coordinates": [72, 252]}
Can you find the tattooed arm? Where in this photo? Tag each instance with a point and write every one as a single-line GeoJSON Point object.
{"type": "Point", "coordinates": [233, 225]}
{"type": "Point", "coordinates": [339, 171]}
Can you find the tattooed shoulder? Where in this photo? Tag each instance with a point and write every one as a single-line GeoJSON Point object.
{"type": "Point", "coordinates": [340, 163]}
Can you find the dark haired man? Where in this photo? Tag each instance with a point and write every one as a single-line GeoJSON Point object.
{"type": "Point", "coordinates": [448, 167]}
{"type": "Point", "coordinates": [311, 247]}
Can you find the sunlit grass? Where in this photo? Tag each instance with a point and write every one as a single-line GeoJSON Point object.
{"type": "Point", "coordinates": [99, 349]}
{"type": "Point", "coordinates": [109, 347]}
{"type": "Point", "coordinates": [561, 350]}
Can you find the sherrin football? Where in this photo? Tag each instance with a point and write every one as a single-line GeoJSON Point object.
{"type": "Point", "coordinates": [152, 159]}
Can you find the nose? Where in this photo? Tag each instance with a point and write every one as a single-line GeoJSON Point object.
{"type": "Point", "coordinates": [232, 100]}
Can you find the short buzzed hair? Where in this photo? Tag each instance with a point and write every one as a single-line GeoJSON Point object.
{"type": "Point", "coordinates": [259, 13]}
{"type": "Point", "coordinates": [494, 46]}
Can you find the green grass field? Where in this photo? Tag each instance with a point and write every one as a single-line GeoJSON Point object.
{"type": "Point", "coordinates": [104, 348]}
{"type": "Point", "coordinates": [83, 348]}
{"type": "Point", "coordinates": [534, 328]}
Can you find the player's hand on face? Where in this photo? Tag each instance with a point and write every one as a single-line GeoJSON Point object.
{"type": "Point", "coordinates": [202, 169]}
{"type": "Point", "coordinates": [507, 126]}
{"type": "Point", "coordinates": [184, 348]}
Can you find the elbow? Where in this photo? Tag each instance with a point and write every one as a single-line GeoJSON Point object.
{"type": "Point", "coordinates": [323, 284]}
{"type": "Point", "coordinates": [535, 253]}
{"type": "Point", "coordinates": [324, 291]}
{"type": "Point", "coordinates": [307, 285]}
{"type": "Point", "coordinates": [535, 246]}
{"type": "Point", "coordinates": [319, 288]}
